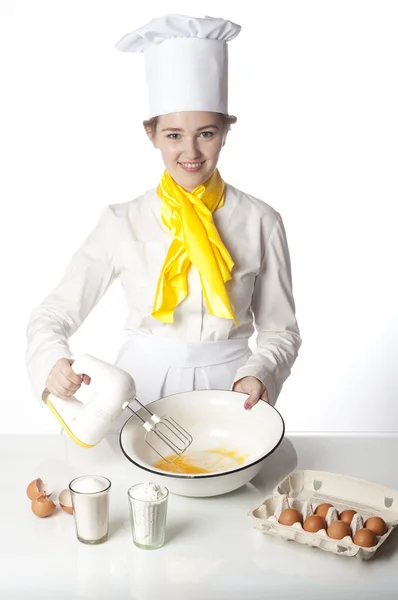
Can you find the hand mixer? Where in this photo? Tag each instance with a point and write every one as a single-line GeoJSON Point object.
{"type": "Point", "coordinates": [87, 419]}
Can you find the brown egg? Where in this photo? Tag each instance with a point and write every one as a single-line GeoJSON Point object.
{"type": "Point", "coordinates": [338, 530]}
{"type": "Point", "coordinates": [42, 506]}
{"type": "Point", "coordinates": [37, 488]}
{"type": "Point", "coordinates": [347, 515]}
{"type": "Point", "coordinates": [377, 525]}
{"type": "Point", "coordinates": [365, 538]}
{"type": "Point", "coordinates": [314, 523]}
{"type": "Point", "coordinates": [289, 516]}
{"type": "Point", "coordinates": [322, 509]}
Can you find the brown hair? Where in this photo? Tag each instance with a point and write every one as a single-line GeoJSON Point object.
{"type": "Point", "coordinates": [227, 121]}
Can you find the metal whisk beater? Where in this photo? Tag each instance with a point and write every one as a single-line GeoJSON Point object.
{"type": "Point", "coordinates": [171, 433]}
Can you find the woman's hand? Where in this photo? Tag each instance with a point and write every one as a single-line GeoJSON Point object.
{"type": "Point", "coordinates": [252, 386]}
{"type": "Point", "coordinates": [62, 381]}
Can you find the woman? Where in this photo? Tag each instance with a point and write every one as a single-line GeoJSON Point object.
{"type": "Point", "coordinates": [200, 262]}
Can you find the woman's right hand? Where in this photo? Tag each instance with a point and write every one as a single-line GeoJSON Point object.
{"type": "Point", "coordinates": [62, 381]}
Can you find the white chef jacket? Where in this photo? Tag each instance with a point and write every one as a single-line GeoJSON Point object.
{"type": "Point", "coordinates": [130, 242]}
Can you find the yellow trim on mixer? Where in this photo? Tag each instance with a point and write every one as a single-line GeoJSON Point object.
{"type": "Point", "coordinates": [64, 425]}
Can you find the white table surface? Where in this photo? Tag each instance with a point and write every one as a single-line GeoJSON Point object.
{"type": "Point", "coordinates": [212, 551]}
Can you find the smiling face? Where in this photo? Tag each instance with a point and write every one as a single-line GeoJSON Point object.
{"type": "Point", "coordinates": [190, 144]}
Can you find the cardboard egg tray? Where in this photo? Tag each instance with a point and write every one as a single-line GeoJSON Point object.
{"type": "Point", "coordinates": [305, 490]}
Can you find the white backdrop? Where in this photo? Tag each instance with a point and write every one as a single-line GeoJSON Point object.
{"type": "Point", "coordinates": [314, 86]}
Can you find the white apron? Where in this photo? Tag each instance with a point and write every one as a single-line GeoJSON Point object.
{"type": "Point", "coordinates": [164, 366]}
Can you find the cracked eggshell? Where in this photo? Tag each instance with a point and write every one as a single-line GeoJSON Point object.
{"type": "Point", "coordinates": [65, 501]}
{"type": "Point", "coordinates": [42, 506]}
{"type": "Point", "coordinates": [38, 488]}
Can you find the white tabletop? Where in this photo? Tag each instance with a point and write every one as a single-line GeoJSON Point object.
{"type": "Point", "coordinates": [212, 551]}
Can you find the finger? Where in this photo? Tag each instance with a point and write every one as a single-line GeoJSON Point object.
{"type": "Point", "coordinates": [67, 384]}
{"type": "Point", "coordinates": [86, 379]}
{"type": "Point", "coordinates": [251, 401]}
{"type": "Point", "coordinates": [244, 389]}
{"type": "Point", "coordinates": [69, 374]}
{"type": "Point", "coordinates": [59, 391]}
{"type": "Point", "coordinates": [264, 396]}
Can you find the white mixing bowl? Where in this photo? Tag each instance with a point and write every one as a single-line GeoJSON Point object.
{"type": "Point", "coordinates": [215, 419]}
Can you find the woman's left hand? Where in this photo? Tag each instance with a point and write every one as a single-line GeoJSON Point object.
{"type": "Point", "coordinates": [252, 386]}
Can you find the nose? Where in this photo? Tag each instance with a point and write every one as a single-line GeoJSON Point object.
{"type": "Point", "coordinates": [191, 150]}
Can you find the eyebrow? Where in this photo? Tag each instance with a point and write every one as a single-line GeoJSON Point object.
{"type": "Point", "coordinates": [176, 129]}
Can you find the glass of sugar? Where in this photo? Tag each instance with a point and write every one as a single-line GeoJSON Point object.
{"type": "Point", "coordinates": [90, 502]}
{"type": "Point", "coordinates": [148, 514]}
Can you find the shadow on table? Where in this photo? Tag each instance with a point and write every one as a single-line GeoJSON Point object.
{"type": "Point", "coordinates": [388, 550]}
{"type": "Point", "coordinates": [279, 464]}
{"type": "Point", "coordinates": [176, 528]}
{"type": "Point", "coordinates": [115, 524]}
{"type": "Point", "coordinates": [112, 442]}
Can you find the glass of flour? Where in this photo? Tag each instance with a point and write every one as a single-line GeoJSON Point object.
{"type": "Point", "coordinates": [148, 514]}
{"type": "Point", "coordinates": [90, 501]}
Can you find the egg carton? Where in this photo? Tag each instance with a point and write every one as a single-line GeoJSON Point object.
{"type": "Point", "coordinates": [304, 490]}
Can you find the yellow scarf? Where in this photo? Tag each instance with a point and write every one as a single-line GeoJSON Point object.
{"type": "Point", "coordinates": [188, 215]}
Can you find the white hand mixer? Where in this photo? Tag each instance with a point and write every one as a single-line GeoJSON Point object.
{"type": "Point", "coordinates": [87, 419]}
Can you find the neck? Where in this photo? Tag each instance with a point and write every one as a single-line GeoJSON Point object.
{"type": "Point", "coordinates": [190, 189]}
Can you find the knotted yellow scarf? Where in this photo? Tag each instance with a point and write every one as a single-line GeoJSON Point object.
{"type": "Point", "coordinates": [188, 215]}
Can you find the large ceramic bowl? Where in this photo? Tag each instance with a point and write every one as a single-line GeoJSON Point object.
{"type": "Point", "coordinates": [217, 420]}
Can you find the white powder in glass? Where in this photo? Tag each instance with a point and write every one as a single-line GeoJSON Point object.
{"type": "Point", "coordinates": [148, 492]}
{"type": "Point", "coordinates": [148, 505]}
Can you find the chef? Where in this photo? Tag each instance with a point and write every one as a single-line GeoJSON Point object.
{"type": "Point", "coordinates": [202, 264]}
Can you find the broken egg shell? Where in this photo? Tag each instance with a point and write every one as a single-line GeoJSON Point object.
{"type": "Point", "coordinates": [42, 506]}
{"type": "Point", "coordinates": [65, 501]}
{"type": "Point", "coordinates": [38, 488]}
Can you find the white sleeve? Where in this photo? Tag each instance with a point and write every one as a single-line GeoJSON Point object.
{"type": "Point", "coordinates": [86, 279]}
{"type": "Point", "coordinates": [278, 339]}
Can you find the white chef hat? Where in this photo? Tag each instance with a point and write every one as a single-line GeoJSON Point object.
{"type": "Point", "coordinates": [186, 62]}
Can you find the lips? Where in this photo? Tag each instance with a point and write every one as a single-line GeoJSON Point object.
{"type": "Point", "coordinates": [192, 167]}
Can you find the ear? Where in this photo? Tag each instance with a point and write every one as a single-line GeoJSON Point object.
{"type": "Point", "coordinates": [225, 138]}
{"type": "Point", "coordinates": [151, 135]}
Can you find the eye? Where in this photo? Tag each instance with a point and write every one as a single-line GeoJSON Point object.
{"type": "Point", "coordinates": [207, 134]}
{"type": "Point", "coordinates": [173, 136]}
